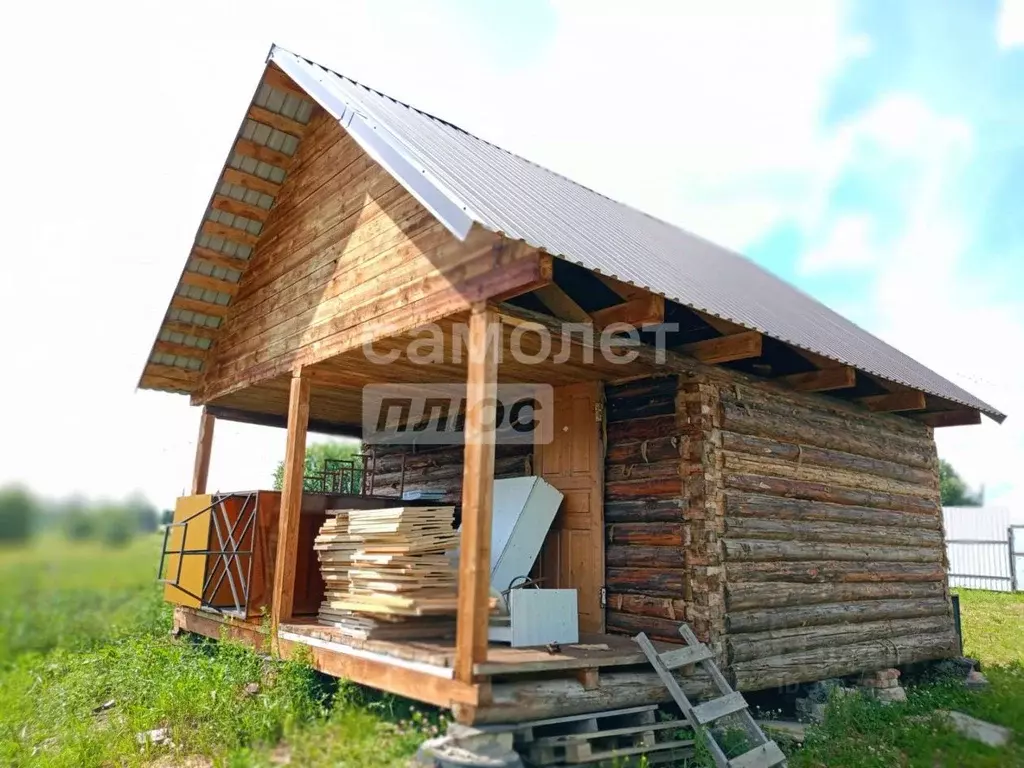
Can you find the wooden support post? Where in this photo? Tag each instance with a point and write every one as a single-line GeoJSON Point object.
{"type": "Point", "coordinates": [204, 444]}
{"type": "Point", "coordinates": [477, 493]}
{"type": "Point", "coordinates": [291, 503]}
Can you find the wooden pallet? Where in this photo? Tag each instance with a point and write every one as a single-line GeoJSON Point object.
{"type": "Point", "coordinates": [620, 737]}
{"type": "Point", "coordinates": [764, 754]}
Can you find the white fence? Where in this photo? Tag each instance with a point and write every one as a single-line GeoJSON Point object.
{"type": "Point", "coordinates": [985, 547]}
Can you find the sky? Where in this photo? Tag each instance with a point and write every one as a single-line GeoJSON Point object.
{"type": "Point", "coordinates": [872, 153]}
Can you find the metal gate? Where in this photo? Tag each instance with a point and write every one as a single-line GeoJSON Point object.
{"type": "Point", "coordinates": [208, 554]}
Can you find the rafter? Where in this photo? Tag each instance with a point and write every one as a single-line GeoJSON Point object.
{"type": "Point", "coordinates": [239, 208]}
{"type": "Point", "coordinates": [262, 153]}
{"type": "Point", "coordinates": [216, 229]}
{"type": "Point", "coordinates": [723, 326]}
{"type": "Point", "coordinates": [189, 329]}
{"type": "Point", "coordinates": [956, 418]}
{"type": "Point", "coordinates": [208, 283]}
{"type": "Point", "coordinates": [825, 380]}
{"type": "Point", "coordinates": [250, 181]}
{"type": "Point", "coordinates": [561, 304]}
{"type": "Point", "coordinates": [203, 307]}
{"type": "Point", "coordinates": [179, 350]}
{"type": "Point", "coordinates": [217, 259]}
{"type": "Point", "coordinates": [275, 78]}
{"type": "Point", "coordinates": [725, 349]}
{"type": "Point", "coordinates": [625, 290]}
{"type": "Point", "coordinates": [894, 401]}
{"type": "Point", "coordinates": [643, 310]}
{"type": "Point", "coordinates": [275, 120]}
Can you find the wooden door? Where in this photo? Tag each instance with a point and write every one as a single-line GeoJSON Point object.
{"type": "Point", "coordinates": [573, 552]}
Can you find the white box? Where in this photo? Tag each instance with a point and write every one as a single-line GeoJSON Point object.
{"type": "Point", "coordinates": [539, 617]}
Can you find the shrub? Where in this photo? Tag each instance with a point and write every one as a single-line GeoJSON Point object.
{"type": "Point", "coordinates": [116, 526]}
{"type": "Point", "coordinates": [17, 515]}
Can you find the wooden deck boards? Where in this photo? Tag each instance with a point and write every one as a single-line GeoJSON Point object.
{"type": "Point", "coordinates": [593, 651]}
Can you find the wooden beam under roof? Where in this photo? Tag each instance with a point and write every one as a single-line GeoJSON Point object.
{"type": "Point", "coordinates": [235, 235]}
{"type": "Point", "coordinates": [725, 349]}
{"type": "Point", "coordinates": [249, 181]}
{"type": "Point", "coordinates": [189, 329]}
{"type": "Point", "coordinates": [179, 350]}
{"type": "Point", "coordinates": [276, 78]}
{"type": "Point", "coordinates": [894, 402]}
{"type": "Point", "coordinates": [561, 304]}
{"type": "Point", "coordinates": [263, 153]}
{"type": "Point", "coordinates": [276, 121]}
{"type": "Point", "coordinates": [840, 377]}
{"type": "Point", "coordinates": [203, 307]}
{"type": "Point", "coordinates": [281, 421]}
{"type": "Point", "coordinates": [217, 259]}
{"type": "Point", "coordinates": [239, 208]}
{"type": "Point", "coordinates": [627, 291]}
{"type": "Point", "coordinates": [639, 311]}
{"type": "Point", "coordinates": [956, 418]}
{"type": "Point", "coordinates": [208, 283]}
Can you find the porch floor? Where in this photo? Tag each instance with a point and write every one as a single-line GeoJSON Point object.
{"type": "Point", "coordinates": [593, 651]}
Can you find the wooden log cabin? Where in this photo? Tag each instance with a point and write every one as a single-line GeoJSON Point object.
{"type": "Point", "coordinates": [761, 467]}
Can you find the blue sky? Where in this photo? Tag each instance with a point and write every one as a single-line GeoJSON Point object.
{"type": "Point", "coordinates": [870, 152]}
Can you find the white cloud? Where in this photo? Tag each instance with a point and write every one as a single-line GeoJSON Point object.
{"type": "Point", "coordinates": [847, 245]}
{"type": "Point", "coordinates": [1010, 27]}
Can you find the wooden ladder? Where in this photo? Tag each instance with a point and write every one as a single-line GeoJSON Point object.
{"type": "Point", "coordinates": [765, 754]}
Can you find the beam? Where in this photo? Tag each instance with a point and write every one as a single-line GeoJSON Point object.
{"type": "Point", "coordinates": [203, 307]}
{"type": "Point", "coordinates": [319, 426]}
{"type": "Point", "coordinates": [545, 274]}
{"type": "Point", "coordinates": [822, 381]}
{"type": "Point", "coordinates": [208, 283]}
{"type": "Point", "coordinates": [204, 447]}
{"type": "Point", "coordinates": [894, 401]}
{"type": "Point", "coordinates": [723, 326]}
{"type": "Point", "coordinates": [725, 349]}
{"type": "Point", "coordinates": [247, 180]}
{"type": "Point", "coordinates": [561, 304]}
{"type": "Point", "coordinates": [216, 229]}
{"type": "Point", "coordinates": [240, 208]}
{"type": "Point", "coordinates": [477, 492]}
{"type": "Point", "coordinates": [172, 373]}
{"type": "Point", "coordinates": [189, 329]}
{"type": "Point", "coordinates": [275, 120]}
{"type": "Point", "coordinates": [291, 502]}
{"type": "Point", "coordinates": [643, 310]}
{"type": "Point", "coordinates": [959, 418]}
{"type": "Point", "coordinates": [263, 153]}
{"type": "Point", "coordinates": [276, 78]}
{"type": "Point", "coordinates": [180, 350]}
{"type": "Point", "coordinates": [627, 291]}
{"type": "Point", "coordinates": [217, 259]}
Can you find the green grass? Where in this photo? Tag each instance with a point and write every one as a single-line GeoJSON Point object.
{"type": "Point", "coordinates": [82, 625]}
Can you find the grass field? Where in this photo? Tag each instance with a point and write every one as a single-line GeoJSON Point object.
{"type": "Point", "coordinates": [82, 627]}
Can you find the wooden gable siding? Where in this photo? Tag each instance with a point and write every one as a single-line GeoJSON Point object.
{"type": "Point", "coordinates": [346, 256]}
{"type": "Point", "coordinates": [832, 538]}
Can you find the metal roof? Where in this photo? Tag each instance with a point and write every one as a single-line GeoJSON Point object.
{"type": "Point", "coordinates": [463, 179]}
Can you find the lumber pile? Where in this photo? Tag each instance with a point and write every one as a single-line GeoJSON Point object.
{"type": "Point", "coordinates": [387, 572]}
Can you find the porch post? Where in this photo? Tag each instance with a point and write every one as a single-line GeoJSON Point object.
{"type": "Point", "coordinates": [204, 445]}
{"type": "Point", "coordinates": [291, 503]}
{"type": "Point", "coordinates": [477, 493]}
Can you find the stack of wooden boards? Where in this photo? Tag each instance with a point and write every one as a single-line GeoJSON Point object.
{"type": "Point", "coordinates": [387, 572]}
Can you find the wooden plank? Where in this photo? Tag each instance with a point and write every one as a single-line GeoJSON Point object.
{"type": "Point", "coordinates": [291, 502]}
{"type": "Point", "coordinates": [204, 446]}
{"type": "Point", "coordinates": [218, 259]}
{"type": "Point", "coordinates": [738, 346]}
{"type": "Point", "coordinates": [712, 710]}
{"type": "Point", "coordinates": [690, 654]}
{"type": "Point", "coordinates": [829, 379]}
{"type": "Point", "coordinates": [235, 235]}
{"type": "Point", "coordinates": [318, 426]}
{"type": "Point", "coordinates": [189, 329]}
{"type": "Point", "coordinates": [249, 181]}
{"type": "Point", "coordinates": [894, 401]}
{"type": "Point", "coordinates": [276, 78]}
{"type": "Point", "coordinates": [561, 304]}
{"type": "Point", "coordinates": [196, 305]}
{"type": "Point", "coordinates": [545, 272]}
{"type": "Point", "coordinates": [172, 373]}
{"type": "Point", "coordinates": [263, 153]}
{"type": "Point", "coordinates": [477, 492]}
{"type": "Point", "coordinates": [763, 756]}
{"type": "Point", "coordinates": [181, 350]}
{"type": "Point", "coordinates": [275, 120]}
{"type": "Point", "coordinates": [208, 283]}
{"type": "Point", "coordinates": [644, 310]}
{"type": "Point", "coordinates": [239, 208]}
{"type": "Point", "coordinates": [627, 291]}
{"type": "Point", "coordinates": [958, 418]}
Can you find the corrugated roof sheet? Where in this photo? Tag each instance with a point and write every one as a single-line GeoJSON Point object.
{"type": "Point", "coordinates": [508, 194]}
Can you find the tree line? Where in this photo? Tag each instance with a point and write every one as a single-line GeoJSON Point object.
{"type": "Point", "coordinates": [23, 515]}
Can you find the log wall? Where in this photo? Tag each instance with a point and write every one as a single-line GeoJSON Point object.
{"type": "Point", "coordinates": [832, 538]}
